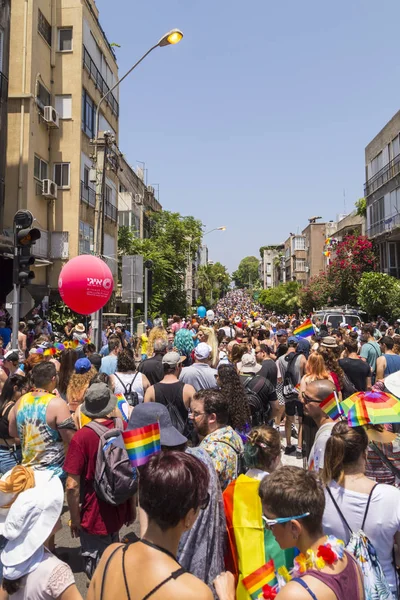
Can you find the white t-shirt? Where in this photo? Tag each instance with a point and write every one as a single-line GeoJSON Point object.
{"type": "Point", "coordinates": [383, 520]}
{"type": "Point", "coordinates": [317, 454]}
{"type": "Point", "coordinates": [127, 379]}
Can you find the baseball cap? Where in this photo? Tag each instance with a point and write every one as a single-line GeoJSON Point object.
{"type": "Point", "coordinates": [11, 355]}
{"type": "Point", "coordinates": [292, 340]}
{"type": "Point", "coordinates": [202, 351]}
{"type": "Point", "coordinates": [82, 365]}
{"type": "Point", "coordinates": [281, 332]}
{"type": "Point", "coordinates": [172, 359]}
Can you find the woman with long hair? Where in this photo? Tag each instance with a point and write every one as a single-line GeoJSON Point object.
{"type": "Point", "coordinates": [207, 335]}
{"type": "Point", "coordinates": [250, 545]}
{"type": "Point", "coordinates": [173, 489]}
{"type": "Point", "coordinates": [184, 343]}
{"type": "Point", "coordinates": [331, 358]}
{"type": "Point", "coordinates": [10, 448]}
{"type": "Point", "coordinates": [237, 352]}
{"type": "Point", "coordinates": [315, 370]}
{"type": "Point", "coordinates": [156, 333]}
{"type": "Point", "coordinates": [67, 363]}
{"type": "Point", "coordinates": [127, 380]}
{"type": "Point", "coordinates": [239, 412]}
{"type": "Point", "coordinates": [79, 382]}
{"type": "Point", "coordinates": [348, 492]}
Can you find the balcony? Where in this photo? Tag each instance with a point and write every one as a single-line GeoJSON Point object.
{"type": "Point", "coordinates": [111, 211]}
{"type": "Point", "coordinates": [99, 81]}
{"type": "Point", "coordinates": [3, 87]}
{"type": "Point", "coordinates": [386, 225]}
{"type": "Point", "coordinates": [383, 176]}
{"type": "Point", "coordinates": [88, 195]}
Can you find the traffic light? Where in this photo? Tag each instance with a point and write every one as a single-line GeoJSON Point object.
{"type": "Point", "coordinates": [25, 261]}
{"type": "Point", "coordinates": [25, 237]}
{"type": "Point", "coordinates": [149, 284]}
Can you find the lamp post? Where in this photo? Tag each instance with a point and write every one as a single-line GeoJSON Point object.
{"type": "Point", "coordinates": [170, 38]}
{"type": "Point", "coordinates": [215, 229]}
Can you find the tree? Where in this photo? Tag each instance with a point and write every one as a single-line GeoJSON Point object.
{"type": "Point", "coordinates": [361, 206]}
{"type": "Point", "coordinates": [317, 293]}
{"type": "Point", "coordinates": [213, 282]}
{"type": "Point", "coordinates": [172, 238]}
{"type": "Point", "coordinates": [283, 299]}
{"type": "Point", "coordinates": [247, 272]}
{"type": "Point", "coordinates": [379, 294]}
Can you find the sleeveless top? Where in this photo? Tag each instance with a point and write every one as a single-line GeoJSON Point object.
{"type": "Point", "coordinates": [171, 393]}
{"type": "Point", "coordinates": [344, 585]}
{"type": "Point", "coordinates": [41, 445]}
{"type": "Point", "coordinates": [121, 379]}
{"type": "Point", "coordinates": [392, 364]}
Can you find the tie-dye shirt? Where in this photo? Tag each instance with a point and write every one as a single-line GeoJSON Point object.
{"type": "Point", "coordinates": [41, 445]}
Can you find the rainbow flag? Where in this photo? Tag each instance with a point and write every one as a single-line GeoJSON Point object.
{"type": "Point", "coordinates": [358, 414]}
{"type": "Point", "coordinates": [123, 406]}
{"type": "Point", "coordinates": [305, 330]}
{"type": "Point", "coordinates": [255, 582]}
{"type": "Point", "coordinates": [142, 443]}
{"type": "Point", "coordinates": [331, 407]}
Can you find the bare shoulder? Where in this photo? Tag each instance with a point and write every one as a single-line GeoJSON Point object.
{"type": "Point", "coordinates": [191, 588]}
{"type": "Point", "coordinates": [293, 590]}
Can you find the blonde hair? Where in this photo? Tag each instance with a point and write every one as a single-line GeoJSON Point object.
{"type": "Point", "coordinates": [78, 384]}
{"type": "Point", "coordinates": [262, 448]}
{"type": "Point", "coordinates": [157, 333]}
{"type": "Point", "coordinates": [212, 342]}
{"type": "Point", "coordinates": [316, 367]}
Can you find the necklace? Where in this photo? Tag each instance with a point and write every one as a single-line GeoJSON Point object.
{"type": "Point", "coordinates": [326, 554]}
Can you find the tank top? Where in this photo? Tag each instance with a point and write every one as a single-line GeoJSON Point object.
{"type": "Point", "coordinates": [344, 585]}
{"type": "Point", "coordinates": [4, 423]}
{"type": "Point", "coordinates": [171, 393]}
{"type": "Point", "coordinates": [392, 364]}
{"type": "Point", "coordinates": [121, 379]}
{"type": "Point", "coordinates": [41, 445]}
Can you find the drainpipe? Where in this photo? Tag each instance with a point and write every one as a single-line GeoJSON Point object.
{"type": "Point", "coordinates": [21, 133]}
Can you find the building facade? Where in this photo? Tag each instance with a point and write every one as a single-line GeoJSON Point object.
{"type": "Point", "coordinates": [382, 194]}
{"type": "Point", "coordinates": [270, 266]}
{"type": "Point", "coordinates": [5, 10]}
{"type": "Point", "coordinates": [55, 86]}
{"type": "Point", "coordinates": [295, 258]}
{"type": "Point", "coordinates": [315, 235]}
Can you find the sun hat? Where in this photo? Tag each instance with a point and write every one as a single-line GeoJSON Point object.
{"type": "Point", "coordinates": [98, 401]}
{"type": "Point", "coordinates": [82, 366]}
{"type": "Point", "coordinates": [32, 518]}
{"type": "Point", "coordinates": [329, 342]}
{"type": "Point", "coordinates": [118, 325]}
{"type": "Point", "coordinates": [80, 328]}
{"type": "Point", "coordinates": [147, 413]}
{"type": "Point", "coordinates": [16, 480]}
{"type": "Point", "coordinates": [392, 383]}
{"type": "Point", "coordinates": [172, 359]}
{"type": "Point", "coordinates": [202, 351]}
{"type": "Point", "coordinates": [249, 364]}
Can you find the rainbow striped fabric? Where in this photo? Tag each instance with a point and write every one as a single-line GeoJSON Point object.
{"type": "Point", "coordinates": [255, 582]}
{"type": "Point", "coordinates": [142, 443]}
{"type": "Point", "coordinates": [358, 414]}
{"type": "Point", "coordinates": [305, 330]}
{"type": "Point", "coordinates": [123, 406]}
{"type": "Point", "coordinates": [331, 407]}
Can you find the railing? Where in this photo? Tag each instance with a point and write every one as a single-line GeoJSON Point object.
{"type": "Point", "coordinates": [88, 195]}
{"type": "Point", "coordinates": [3, 87]}
{"type": "Point", "coordinates": [99, 81]}
{"type": "Point", "coordinates": [383, 176]}
{"type": "Point", "coordinates": [111, 211]}
{"type": "Point", "coordinates": [384, 225]}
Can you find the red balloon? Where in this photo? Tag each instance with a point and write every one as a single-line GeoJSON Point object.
{"type": "Point", "coordinates": [85, 284]}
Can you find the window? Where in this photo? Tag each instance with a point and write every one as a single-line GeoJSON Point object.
{"type": "Point", "coordinates": [1, 48]}
{"type": "Point", "coordinates": [64, 106]}
{"type": "Point", "coordinates": [377, 211]}
{"type": "Point", "coordinates": [298, 243]}
{"type": "Point", "coordinates": [86, 171]}
{"type": "Point", "coordinates": [376, 164]}
{"type": "Point", "coordinates": [395, 147]}
{"type": "Point", "coordinates": [61, 175]}
{"type": "Point", "coordinates": [108, 194]}
{"type": "Point", "coordinates": [86, 238]}
{"type": "Point", "coordinates": [300, 264]}
{"type": "Point", "coordinates": [268, 269]}
{"type": "Point", "coordinates": [88, 114]}
{"type": "Point", "coordinates": [40, 168]}
{"type": "Point", "coordinates": [44, 28]}
{"type": "Point", "coordinates": [65, 39]}
{"type": "Point", "coordinates": [43, 97]}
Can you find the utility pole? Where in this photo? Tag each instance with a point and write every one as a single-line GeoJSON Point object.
{"type": "Point", "coordinates": [147, 266]}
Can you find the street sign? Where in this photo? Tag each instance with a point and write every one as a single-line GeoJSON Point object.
{"type": "Point", "coordinates": [26, 302]}
{"type": "Point", "coordinates": [132, 279]}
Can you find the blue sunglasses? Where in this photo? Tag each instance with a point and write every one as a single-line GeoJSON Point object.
{"type": "Point", "coordinates": [278, 521]}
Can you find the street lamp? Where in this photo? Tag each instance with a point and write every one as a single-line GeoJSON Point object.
{"type": "Point", "coordinates": [170, 38]}
{"type": "Point", "coordinates": [215, 229]}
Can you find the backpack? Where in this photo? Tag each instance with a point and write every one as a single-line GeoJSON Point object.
{"type": "Point", "coordinates": [115, 481]}
{"type": "Point", "coordinates": [289, 390]}
{"type": "Point", "coordinates": [254, 401]}
{"type": "Point", "coordinates": [131, 396]}
{"type": "Point", "coordinates": [375, 584]}
{"type": "Point", "coordinates": [348, 387]}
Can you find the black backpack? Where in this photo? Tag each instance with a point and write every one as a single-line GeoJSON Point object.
{"type": "Point", "coordinates": [131, 396]}
{"type": "Point", "coordinates": [289, 390]}
{"type": "Point", "coordinates": [254, 401]}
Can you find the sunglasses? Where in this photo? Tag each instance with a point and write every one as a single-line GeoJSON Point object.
{"type": "Point", "coordinates": [206, 502]}
{"type": "Point", "coordinates": [268, 523]}
{"type": "Point", "coordinates": [307, 399]}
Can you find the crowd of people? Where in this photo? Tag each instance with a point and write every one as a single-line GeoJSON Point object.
{"type": "Point", "coordinates": [233, 395]}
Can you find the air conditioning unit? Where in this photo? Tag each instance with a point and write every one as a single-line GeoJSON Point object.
{"type": "Point", "coordinates": [51, 116]}
{"type": "Point", "coordinates": [49, 188]}
{"type": "Point", "coordinates": [150, 189]}
{"type": "Point", "coordinates": [307, 269]}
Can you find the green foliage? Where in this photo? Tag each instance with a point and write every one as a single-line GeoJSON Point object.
{"type": "Point", "coordinates": [361, 206]}
{"type": "Point", "coordinates": [379, 294]}
{"type": "Point", "coordinates": [212, 278]}
{"type": "Point", "coordinates": [283, 299]}
{"type": "Point", "coordinates": [247, 272]}
{"type": "Point", "coordinates": [273, 247]}
{"type": "Point", "coordinates": [59, 313]}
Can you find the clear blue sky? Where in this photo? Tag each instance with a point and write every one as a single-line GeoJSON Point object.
{"type": "Point", "coordinates": [259, 118]}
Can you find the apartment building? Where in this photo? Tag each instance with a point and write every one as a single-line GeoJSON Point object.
{"type": "Point", "coordinates": [270, 265]}
{"type": "Point", "coordinates": [351, 224]}
{"type": "Point", "coordinates": [136, 200]}
{"type": "Point", "coordinates": [5, 10]}
{"type": "Point", "coordinates": [382, 193]}
{"type": "Point", "coordinates": [295, 258]}
{"type": "Point", "coordinates": [61, 64]}
{"type": "Point", "coordinates": [315, 235]}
